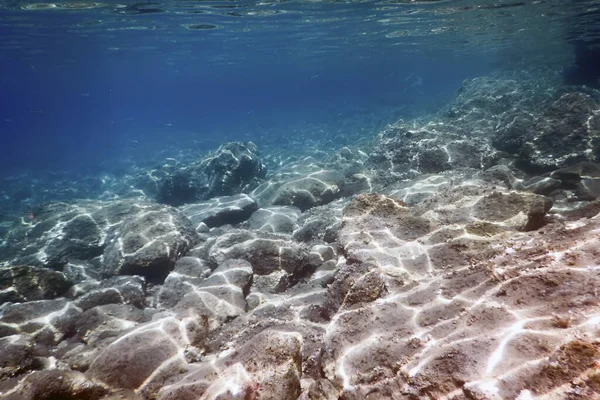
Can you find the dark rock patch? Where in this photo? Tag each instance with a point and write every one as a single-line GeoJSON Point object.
{"type": "Point", "coordinates": [221, 210]}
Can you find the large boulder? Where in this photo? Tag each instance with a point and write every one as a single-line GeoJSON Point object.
{"type": "Point", "coordinates": [276, 219]}
{"type": "Point", "coordinates": [233, 168]}
{"type": "Point", "coordinates": [23, 283]}
{"type": "Point", "coordinates": [108, 237]}
{"type": "Point", "coordinates": [307, 183]}
{"type": "Point", "coordinates": [220, 297]}
{"type": "Point", "coordinates": [220, 211]}
{"type": "Point", "coordinates": [47, 321]}
{"type": "Point", "coordinates": [144, 358]}
{"type": "Point", "coordinates": [54, 234]}
{"type": "Point", "coordinates": [148, 243]}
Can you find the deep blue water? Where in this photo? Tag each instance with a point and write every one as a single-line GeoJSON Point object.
{"type": "Point", "coordinates": [82, 89]}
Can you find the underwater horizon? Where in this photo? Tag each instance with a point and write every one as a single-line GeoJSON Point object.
{"type": "Point", "coordinates": [85, 83]}
{"type": "Point", "coordinates": [300, 200]}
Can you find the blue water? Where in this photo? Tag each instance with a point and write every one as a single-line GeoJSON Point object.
{"type": "Point", "coordinates": [84, 89]}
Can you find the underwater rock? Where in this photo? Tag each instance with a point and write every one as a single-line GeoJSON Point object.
{"type": "Point", "coordinates": [583, 179]}
{"type": "Point", "coordinates": [54, 234]}
{"type": "Point", "coordinates": [505, 208]}
{"type": "Point", "coordinates": [543, 185]}
{"type": "Point", "coordinates": [415, 191]}
{"type": "Point", "coordinates": [115, 290]}
{"type": "Point", "coordinates": [23, 283]}
{"type": "Point", "coordinates": [264, 312]}
{"type": "Point", "coordinates": [189, 272]}
{"type": "Point", "coordinates": [513, 130]}
{"type": "Point", "coordinates": [144, 358]}
{"type": "Point", "coordinates": [483, 103]}
{"type": "Point", "coordinates": [57, 384]}
{"type": "Point", "coordinates": [17, 356]}
{"type": "Point", "coordinates": [233, 168]}
{"type": "Point", "coordinates": [467, 282]}
{"type": "Point", "coordinates": [529, 120]}
{"type": "Point", "coordinates": [407, 151]}
{"type": "Point", "coordinates": [316, 189]}
{"type": "Point", "coordinates": [378, 230]}
{"type": "Point", "coordinates": [148, 243]}
{"type": "Point", "coordinates": [103, 324]}
{"type": "Point", "coordinates": [47, 321]}
{"type": "Point", "coordinates": [265, 252]}
{"type": "Point", "coordinates": [267, 366]}
{"type": "Point", "coordinates": [220, 297]}
{"type": "Point", "coordinates": [220, 210]}
{"type": "Point", "coordinates": [320, 224]}
{"type": "Point", "coordinates": [282, 219]}
{"type": "Point", "coordinates": [65, 236]}
{"type": "Point", "coordinates": [306, 183]}
{"type": "Point", "coordinates": [566, 133]}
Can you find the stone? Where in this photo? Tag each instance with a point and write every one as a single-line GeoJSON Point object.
{"type": "Point", "coordinates": [240, 375]}
{"type": "Point", "coordinates": [543, 185]}
{"type": "Point", "coordinates": [316, 189]}
{"type": "Point", "coordinates": [233, 168]}
{"type": "Point", "coordinates": [264, 252]}
{"type": "Point", "coordinates": [17, 356]}
{"type": "Point", "coordinates": [501, 207]}
{"type": "Point", "coordinates": [143, 359]}
{"type": "Point", "coordinates": [48, 321]}
{"type": "Point", "coordinates": [115, 290]}
{"type": "Point", "coordinates": [21, 284]}
{"type": "Point", "coordinates": [320, 224]}
{"type": "Point", "coordinates": [220, 297]}
{"type": "Point", "coordinates": [57, 384]}
{"type": "Point", "coordinates": [108, 321]}
{"type": "Point", "coordinates": [305, 184]}
{"type": "Point", "coordinates": [583, 178]}
{"type": "Point", "coordinates": [407, 151]}
{"type": "Point", "coordinates": [220, 210]}
{"type": "Point", "coordinates": [567, 132]}
{"type": "Point", "coordinates": [189, 272]}
{"type": "Point", "coordinates": [374, 225]}
{"type": "Point", "coordinates": [281, 219]}
{"type": "Point", "coordinates": [148, 244]}
{"type": "Point", "coordinates": [57, 234]}
{"type": "Point", "coordinates": [513, 130]}
{"type": "Point", "coordinates": [504, 174]}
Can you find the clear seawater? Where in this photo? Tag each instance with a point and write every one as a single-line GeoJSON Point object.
{"type": "Point", "coordinates": [101, 86]}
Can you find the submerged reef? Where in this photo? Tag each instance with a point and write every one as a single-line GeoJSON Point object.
{"type": "Point", "coordinates": [450, 258]}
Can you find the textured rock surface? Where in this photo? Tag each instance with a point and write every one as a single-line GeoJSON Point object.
{"type": "Point", "coordinates": [144, 358]}
{"type": "Point", "coordinates": [148, 243]}
{"type": "Point", "coordinates": [120, 289]}
{"type": "Point", "coordinates": [17, 355]}
{"type": "Point", "coordinates": [305, 184]}
{"type": "Point", "coordinates": [220, 211]}
{"type": "Point", "coordinates": [566, 133]}
{"type": "Point", "coordinates": [54, 234]}
{"type": "Point", "coordinates": [432, 148]}
{"type": "Point", "coordinates": [47, 321]}
{"type": "Point", "coordinates": [129, 237]}
{"type": "Point", "coordinates": [19, 284]}
{"type": "Point", "coordinates": [49, 385]}
{"type": "Point", "coordinates": [233, 168]}
{"type": "Point", "coordinates": [220, 297]}
{"type": "Point", "coordinates": [282, 219]}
